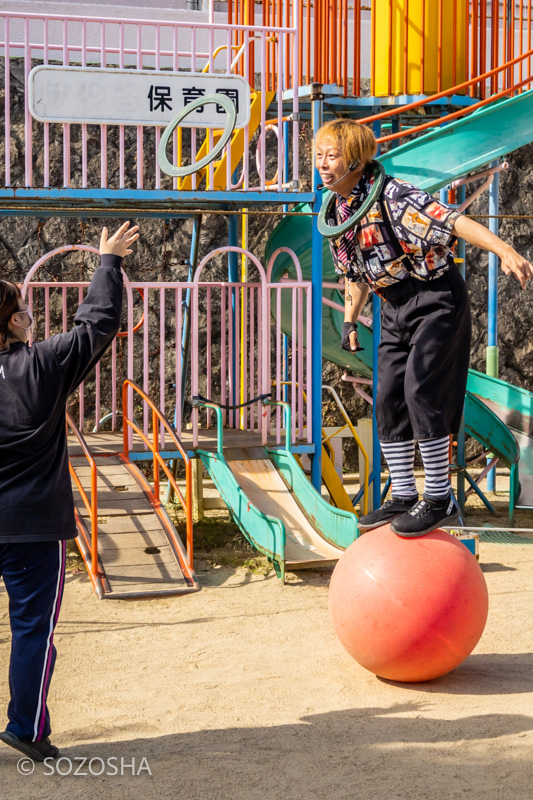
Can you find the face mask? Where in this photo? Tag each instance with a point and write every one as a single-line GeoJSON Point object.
{"type": "Point", "coordinates": [30, 315]}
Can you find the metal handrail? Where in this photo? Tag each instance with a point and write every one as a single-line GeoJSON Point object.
{"type": "Point", "coordinates": [287, 414]}
{"type": "Point", "coordinates": [159, 418]}
{"type": "Point", "coordinates": [447, 93]}
{"type": "Point", "coordinates": [326, 439]}
{"type": "Point", "coordinates": [349, 425]}
{"type": "Point", "coordinates": [220, 425]}
{"type": "Point", "coordinates": [92, 505]}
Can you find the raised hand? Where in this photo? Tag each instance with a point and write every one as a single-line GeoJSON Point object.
{"type": "Point", "coordinates": [118, 244]}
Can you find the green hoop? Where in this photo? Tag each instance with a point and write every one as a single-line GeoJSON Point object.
{"type": "Point", "coordinates": [231, 118]}
{"type": "Point", "coordinates": [332, 231]}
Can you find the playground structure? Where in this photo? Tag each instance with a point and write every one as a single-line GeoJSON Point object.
{"type": "Point", "coordinates": [251, 345]}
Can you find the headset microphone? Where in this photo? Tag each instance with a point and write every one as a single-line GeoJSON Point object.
{"type": "Point", "coordinates": [351, 168]}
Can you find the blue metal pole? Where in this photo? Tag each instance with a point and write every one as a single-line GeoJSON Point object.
{"type": "Point", "coordinates": [376, 337]}
{"type": "Point", "coordinates": [316, 305]}
{"type": "Point", "coordinates": [233, 277]}
{"type": "Point", "coordinates": [461, 450]}
{"type": "Point", "coordinates": [492, 354]}
{"type": "Point", "coordinates": [286, 168]}
{"type": "Point", "coordinates": [186, 333]}
{"type": "Point", "coordinates": [376, 447]}
{"type": "Point", "coordinates": [494, 206]}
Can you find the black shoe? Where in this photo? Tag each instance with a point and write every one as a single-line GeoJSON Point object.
{"type": "Point", "coordinates": [37, 751]}
{"type": "Point", "coordinates": [426, 516]}
{"type": "Point", "coordinates": [391, 508]}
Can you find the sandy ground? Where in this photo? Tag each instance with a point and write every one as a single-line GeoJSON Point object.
{"type": "Point", "coordinates": [243, 691]}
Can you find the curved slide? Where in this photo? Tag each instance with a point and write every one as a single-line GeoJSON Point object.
{"type": "Point", "coordinates": [277, 508]}
{"type": "Point", "coordinates": [514, 407]}
{"type": "Point", "coordinates": [431, 162]}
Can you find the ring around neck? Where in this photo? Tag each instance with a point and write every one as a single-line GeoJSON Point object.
{"type": "Point", "coordinates": [333, 231]}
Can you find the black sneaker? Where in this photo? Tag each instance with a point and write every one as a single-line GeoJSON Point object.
{"type": "Point", "coordinates": [37, 751]}
{"type": "Point", "coordinates": [391, 508]}
{"type": "Point", "coordinates": [426, 516]}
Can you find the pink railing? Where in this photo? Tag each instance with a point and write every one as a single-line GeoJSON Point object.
{"type": "Point", "coordinates": [237, 350]}
{"type": "Point", "coordinates": [63, 155]}
{"type": "Point", "coordinates": [254, 360]}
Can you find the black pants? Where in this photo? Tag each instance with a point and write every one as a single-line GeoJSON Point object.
{"type": "Point", "coordinates": [423, 358]}
{"type": "Point", "coordinates": [34, 576]}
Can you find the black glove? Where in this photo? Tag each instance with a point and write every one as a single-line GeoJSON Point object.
{"type": "Point", "coordinates": [347, 329]}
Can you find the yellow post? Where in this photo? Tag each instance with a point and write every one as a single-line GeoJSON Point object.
{"type": "Point", "coordinates": [414, 41]}
{"type": "Point", "coordinates": [197, 498]}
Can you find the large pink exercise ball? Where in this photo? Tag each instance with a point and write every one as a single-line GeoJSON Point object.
{"type": "Point", "coordinates": [408, 609]}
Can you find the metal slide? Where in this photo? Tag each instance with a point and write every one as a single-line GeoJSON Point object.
{"type": "Point", "coordinates": [277, 508]}
{"type": "Point", "coordinates": [431, 162]}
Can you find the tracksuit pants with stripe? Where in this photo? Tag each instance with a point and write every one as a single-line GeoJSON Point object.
{"type": "Point", "coordinates": [34, 577]}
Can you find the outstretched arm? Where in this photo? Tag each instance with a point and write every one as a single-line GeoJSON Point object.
{"type": "Point", "coordinates": [479, 236]}
{"type": "Point", "coordinates": [97, 319]}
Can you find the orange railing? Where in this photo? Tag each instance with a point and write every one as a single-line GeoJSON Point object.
{"type": "Point", "coordinates": [241, 12]}
{"type": "Point", "coordinates": [513, 89]}
{"type": "Point", "coordinates": [158, 420]}
{"type": "Point", "coordinates": [331, 33]}
{"type": "Point", "coordinates": [324, 40]}
{"type": "Point", "coordinates": [91, 505]}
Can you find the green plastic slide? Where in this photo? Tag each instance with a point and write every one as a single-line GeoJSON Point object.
{"type": "Point", "coordinates": [514, 407]}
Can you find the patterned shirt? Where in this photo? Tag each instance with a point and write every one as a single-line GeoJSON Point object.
{"type": "Point", "coordinates": [422, 225]}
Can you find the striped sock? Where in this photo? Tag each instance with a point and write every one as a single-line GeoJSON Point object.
{"type": "Point", "coordinates": [435, 457]}
{"type": "Point", "coordinates": [400, 457]}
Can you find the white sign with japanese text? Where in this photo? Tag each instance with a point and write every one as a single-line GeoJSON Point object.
{"type": "Point", "coordinates": [132, 97]}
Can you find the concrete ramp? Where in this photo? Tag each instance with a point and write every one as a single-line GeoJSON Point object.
{"type": "Point", "coordinates": [140, 554]}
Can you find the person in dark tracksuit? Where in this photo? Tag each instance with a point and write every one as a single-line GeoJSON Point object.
{"type": "Point", "coordinates": [401, 248]}
{"type": "Point", "coordinates": [36, 502]}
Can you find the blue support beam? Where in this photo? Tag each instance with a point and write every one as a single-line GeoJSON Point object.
{"type": "Point", "coordinates": [136, 203]}
{"type": "Point", "coordinates": [461, 450]}
{"type": "Point", "coordinates": [186, 334]}
{"type": "Point", "coordinates": [316, 306]}
{"type": "Point", "coordinates": [234, 277]}
{"type": "Point", "coordinates": [492, 330]}
{"type": "Point", "coordinates": [376, 338]}
{"type": "Point", "coordinates": [376, 447]}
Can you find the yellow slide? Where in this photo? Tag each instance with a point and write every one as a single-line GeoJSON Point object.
{"type": "Point", "coordinates": [238, 146]}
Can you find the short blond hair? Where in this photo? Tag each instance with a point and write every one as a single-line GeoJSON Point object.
{"type": "Point", "coordinates": [356, 142]}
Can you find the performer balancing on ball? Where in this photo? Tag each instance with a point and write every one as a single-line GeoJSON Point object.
{"type": "Point", "coordinates": [394, 239]}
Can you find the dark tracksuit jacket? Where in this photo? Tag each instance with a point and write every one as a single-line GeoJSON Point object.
{"type": "Point", "coordinates": [36, 502]}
